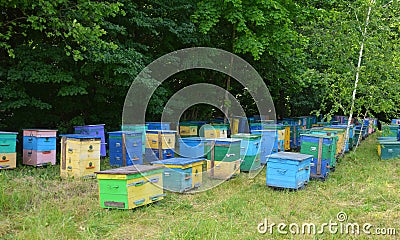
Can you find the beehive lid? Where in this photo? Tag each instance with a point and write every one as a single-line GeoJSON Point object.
{"type": "Point", "coordinates": [290, 156]}
{"type": "Point", "coordinates": [389, 142]}
{"type": "Point", "coordinates": [41, 130]}
{"type": "Point", "coordinates": [15, 133]}
{"type": "Point", "coordinates": [245, 136]}
{"type": "Point", "coordinates": [334, 129]}
{"type": "Point", "coordinates": [162, 131]}
{"type": "Point", "coordinates": [261, 131]}
{"type": "Point", "coordinates": [224, 140]}
{"type": "Point", "coordinates": [192, 139]}
{"type": "Point", "coordinates": [273, 126]}
{"type": "Point", "coordinates": [178, 161]}
{"type": "Point", "coordinates": [129, 170]}
{"type": "Point", "coordinates": [79, 136]}
{"type": "Point", "coordinates": [94, 125]}
{"type": "Point", "coordinates": [318, 135]}
{"type": "Point", "coordinates": [119, 133]}
{"type": "Point", "coordinates": [341, 126]}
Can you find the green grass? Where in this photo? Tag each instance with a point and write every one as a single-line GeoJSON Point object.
{"type": "Point", "coordinates": [37, 204]}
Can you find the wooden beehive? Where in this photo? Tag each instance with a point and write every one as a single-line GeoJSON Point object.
{"type": "Point", "coordinates": [80, 155]}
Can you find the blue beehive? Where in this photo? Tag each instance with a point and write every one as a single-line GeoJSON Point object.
{"type": "Point", "coordinates": [288, 170]}
{"type": "Point", "coordinates": [95, 131]}
{"type": "Point", "coordinates": [152, 154]}
{"type": "Point", "coordinates": [137, 128]}
{"type": "Point", "coordinates": [269, 143]}
{"type": "Point", "coordinates": [321, 172]}
{"type": "Point", "coordinates": [133, 148]}
{"type": "Point", "coordinates": [158, 125]}
{"type": "Point", "coordinates": [192, 147]}
{"type": "Point", "coordinates": [181, 174]}
{"type": "Point", "coordinates": [249, 145]}
{"type": "Point", "coordinates": [39, 143]}
{"type": "Point", "coordinates": [39, 147]}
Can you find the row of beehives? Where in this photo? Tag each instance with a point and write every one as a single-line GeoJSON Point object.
{"type": "Point", "coordinates": [224, 156]}
{"type": "Point", "coordinates": [39, 145]}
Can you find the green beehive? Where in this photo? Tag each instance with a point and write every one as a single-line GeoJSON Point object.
{"type": "Point", "coordinates": [390, 130]}
{"type": "Point", "coordinates": [223, 149]}
{"type": "Point", "coordinates": [249, 151]}
{"type": "Point", "coordinates": [130, 187]}
{"type": "Point", "coordinates": [310, 145]}
{"type": "Point", "coordinates": [389, 150]}
{"type": "Point", "coordinates": [250, 163]}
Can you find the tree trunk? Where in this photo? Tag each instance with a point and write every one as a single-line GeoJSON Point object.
{"type": "Point", "coordinates": [364, 33]}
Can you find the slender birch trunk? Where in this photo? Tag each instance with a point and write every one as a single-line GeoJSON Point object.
{"type": "Point", "coordinates": [364, 36]}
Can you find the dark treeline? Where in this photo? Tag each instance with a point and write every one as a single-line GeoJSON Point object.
{"type": "Point", "coordinates": [65, 63]}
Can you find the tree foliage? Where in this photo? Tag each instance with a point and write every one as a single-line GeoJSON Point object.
{"type": "Point", "coordinates": [66, 62]}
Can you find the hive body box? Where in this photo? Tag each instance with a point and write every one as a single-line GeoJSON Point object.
{"type": "Point", "coordinates": [214, 131]}
{"type": "Point", "coordinates": [223, 157]}
{"type": "Point", "coordinates": [249, 151]}
{"type": "Point", "coordinates": [390, 130]}
{"type": "Point", "coordinates": [192, 147]}
{"type": "Point", "coordinates": [222, 129]}
{"type": "Point", "coordinates": [341, 133]}
{"type": "Point", "coordinates": [283, 136]}
{"type": "Point", "coordinates": [39, 147]}
{"type": "Point", "coordinates": [223, 170]}
{"type": "Point", "coordinates": [340, 147]}
{"type": "Point", "coordinates": [223, 149]}
{"type": "Point", "coordinates": [351, 134]}
{"type": "Point", "coordinates": [130, 187]}
{"type": "Point", "coordinates": [238, 125]}
{"type": "Point", "coordinates": [187, 129]}
{"type": "Point", "coordinates": [389, 149]}
{"type": "Point", "coordinates": [132, 154]}
{"type": "Point", "coordinates": [293, 131]}
{"type": "Point", "coordinates": [288, 170]}
{"type": "Point", "coordinates": [152, 155]}
{"type": "Point", "coordinates": [323, 149]}
{"type": "Point", "coordinates": [137, 128]}
{"type": "Point", "coordinates": [268, 143]}
{"type": "Point", "coordinates": [164, 139]}
{"type": "Point", "coordinates": [96, 131]}
{"type": "Point", "coordinates": [160, 144]}
{"type": "Point", "coordinates": [8, 155]}
{"type": "Point", "coordinates": [80, 155]}
{"type": "Point", "coordinates": [181, 174]}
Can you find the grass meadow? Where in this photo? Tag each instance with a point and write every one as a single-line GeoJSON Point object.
{"type": "Point", "coordinates": [36, 204]}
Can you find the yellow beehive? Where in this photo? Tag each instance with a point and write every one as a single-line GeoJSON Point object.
{"type": "Point", "coordinates": [167, 138]}
{"type": "Point", "coordinates": [8, 160]}
{"type": "Point", "coordinates": [341, 133]}
{"type": "Point", "coordinates": [223, 170]}
{"type": "Point", "coordinates": [287, 138]}
{"type": "Point", "coordinates": [234, 122]}
{"type": "Point", "coordinates": [188, 131]}
{"type": "Point", "coordinates": [80, 155]}
{"type": "Point", "coordinates": [130, 187]}
{"type": "Point", "coordinates": [211, 133]}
